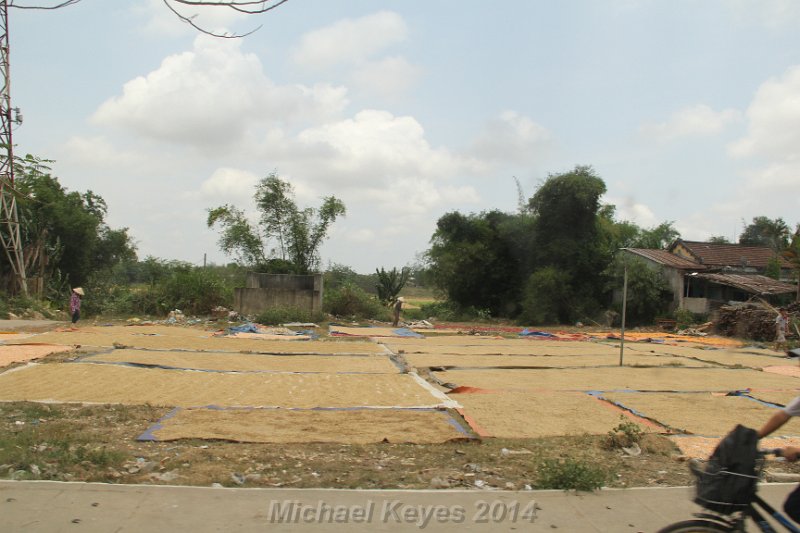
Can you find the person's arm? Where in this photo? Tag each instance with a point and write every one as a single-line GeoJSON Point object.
{"type": "Point", "coordinates": [775, 422]}
{"type": "Point", "coordinates": [790, 453]}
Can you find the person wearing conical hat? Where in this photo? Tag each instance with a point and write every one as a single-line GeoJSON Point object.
{"type": "Point", "coordinates": [75, 303]}
{"type": "Point", "coordinates": [396, 308]}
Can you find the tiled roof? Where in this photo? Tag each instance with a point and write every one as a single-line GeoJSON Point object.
{"type": "Point", "coordinates": [734, 255]}
{"type": "Point", "coordinates": [663, 257]}
{"type": "Point", "coordinates": [753, 284]}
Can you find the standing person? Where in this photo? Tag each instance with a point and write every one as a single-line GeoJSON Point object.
{"type": "Point", "coordinates": [75, 303]}
{"type": "Point", "coordinates": [396, 308]}
{"type": "Point", "coordinates": [781, 328]}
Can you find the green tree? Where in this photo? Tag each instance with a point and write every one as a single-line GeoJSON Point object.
{"type": "Point", "coordinates": [648, 290]}
{"type": "Point", "coordinates": [547, 297]}
{"type": "Point", "coordinates": [719, 239]}
{"type": "Point", "coordinates": [390, 283]}
{"type": "Point", "coordinates": [613, 234]}
{"type": "Point", "coordinates": [477, 260]}
{"type": "Point", "coordinates": [566, 238]}
{"type": "Point", "coordinates": [64, 233]}
{"type": "Point", "coordinates": [238, 239]}
{"type": "Point", "coordinates": [298, 233]}
{"type": "Point", "coordinates": [658, 237]}
{"type": "Point", "coordinates": [764, 231]}
{"type": "Point", "coordinates": [773, 269]}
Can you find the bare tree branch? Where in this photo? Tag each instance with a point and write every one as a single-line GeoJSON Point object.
{"type": "Point", "coordinates": [249, 7]}
{"type": "Point", "coordinates": [190, 22]}
{"type": "Point", "coordinates": [244, 6]}
{"type": "Point", "coordinates": [65, 3]}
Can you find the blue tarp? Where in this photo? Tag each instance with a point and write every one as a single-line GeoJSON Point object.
{"type": "Point", "coordinates": [244, 328]}
{"type": "Point", "coordinates": [531, 333]}
{"type": "Point", "coordinates": [405, 332]}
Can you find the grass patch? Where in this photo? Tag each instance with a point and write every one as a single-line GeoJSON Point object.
{"type": "Point", "coordinates": [47, 450]}
{"type": "Point", "coordinates": [570, 474]}
{"type": "Point", "coordinates": [65, 442]}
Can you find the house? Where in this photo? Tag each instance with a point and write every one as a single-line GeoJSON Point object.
{"type": "Point", "coordinates": [732, 257]}
{"type": "Point", "coordinates": [703, 276]}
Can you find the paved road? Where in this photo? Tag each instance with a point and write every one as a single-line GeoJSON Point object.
{"type": "Point", "coordinates": [52, 507]}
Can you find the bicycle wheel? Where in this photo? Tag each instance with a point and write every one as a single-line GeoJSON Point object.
{"type": "Point", "coordinates": [695, 526]}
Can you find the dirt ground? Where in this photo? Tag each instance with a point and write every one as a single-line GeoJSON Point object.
{"type": "Point", "coordinates": [82, 442]}
{"type": "Point", "coordinates": [97, 443]}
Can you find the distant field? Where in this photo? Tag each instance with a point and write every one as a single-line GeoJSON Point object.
{"type": "Point", "coordinates": [416, 297]}
{"type": "Point", "coordinates": [418, 293]}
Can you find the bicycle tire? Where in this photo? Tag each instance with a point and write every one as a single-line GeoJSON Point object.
{"type": "Point", "coordinates": [695, 526]}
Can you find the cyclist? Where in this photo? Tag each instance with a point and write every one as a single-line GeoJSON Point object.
{"type": "Point", "coordinates": [791, 453]}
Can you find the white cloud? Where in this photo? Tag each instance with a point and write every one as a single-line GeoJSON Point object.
{"type": "Point", "coordinates": [768, 191]}
{"type": "Point", "coordinates": [768, 187]}
{"type": "Point", "coordinates": [388, 77]}
{"type": "Point", "coordinates": [381, 166]}
{"type": "Point", "coordinates": [158, 20]}
{"type": "Point", "coordinates": [771, 189]}
{"type": "Point", "coordinates": [98, 151]}
{"type": "Point", "coordinates": [629, 209]}
{"type": "Point", "coordinates": [407, 198]}
{"type": "Point", "coordinates": [773, 120]}
{"type": "Point", "coordinates": [375, 148]}
{"type": "Point", "coordinates": [512, 138]}
{"type": "Point", "coordinates": [211, 96]}
{"type": "Point", "coordinates": [350, 40]}
{"type": "Point", "coordinates": [695, 121]}
{"type": "Point", "coordinates": [230, 185]}
{"type": "Point", "coordinates": [362, 235]}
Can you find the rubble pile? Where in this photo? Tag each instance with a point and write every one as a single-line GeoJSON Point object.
{"type": "Point", "coordinates": [751, 320]}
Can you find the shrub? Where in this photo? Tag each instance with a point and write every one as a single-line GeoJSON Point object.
{"type": "Point", "coordinates": [353, 302]}
{"type": "Point", "coordinates": [24, 306]}
{"type": "Point", "coordinates": [413, 314]}
{"type": "Point", "coordinates": [625, 434]}
{"type": "Point", "coordinates": [281, 315]}
{"type": "Point", "coordinates": [570, 474]}
{"type": "Point", "coordinates": [103, 297]}
{"type": "Point", "coordinates": [684, 318]}
{"type": "Point", "coordinates": [439, 310]}
{"type": "Point", "coordinates": [194, 291]}
{"type": "Point", "coordinates": [449, 311]}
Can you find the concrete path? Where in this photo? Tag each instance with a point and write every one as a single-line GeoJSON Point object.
{"type": "Point", "coordinates": [52, 507]}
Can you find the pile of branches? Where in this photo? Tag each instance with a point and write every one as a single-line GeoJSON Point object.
{"type": "Point", "coordinates": [752, 320]}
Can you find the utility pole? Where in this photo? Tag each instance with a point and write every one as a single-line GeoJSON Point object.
{"type": "Point", "coordinates": [624, 309]}
{"type": "Point", "coordinates": [10, 238]}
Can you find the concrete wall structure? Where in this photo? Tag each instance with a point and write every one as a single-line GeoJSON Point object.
{"type": "Point", "coordinates": [269, 291]}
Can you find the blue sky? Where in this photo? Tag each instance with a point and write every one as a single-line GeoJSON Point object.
{"type": "Point", "coordinates": [405, 110]}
